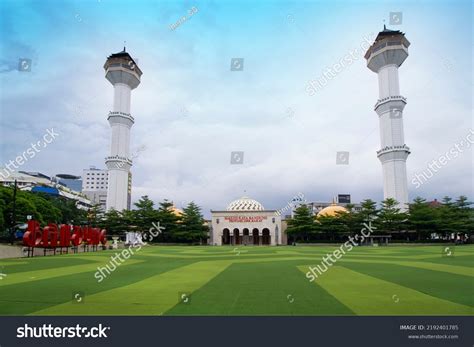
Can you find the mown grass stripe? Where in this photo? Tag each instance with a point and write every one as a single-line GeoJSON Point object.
{"type": "Point", "coordinates": [437, 284]}
{"type": "Point", "coordinates": [264, 288]}
{"type": "Point", "coordinates": [29, 276]}
{"type": "Point", "coordinates": [366, 295]}
{"type": "Point", "coordinates": [36, 295]}
{"type": "Point", "coordinates": [152, 296]}
{"type": "Point", "coordinates": [459, 270]}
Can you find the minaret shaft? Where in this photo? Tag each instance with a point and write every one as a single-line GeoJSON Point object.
{"type": "Point", "coordinates": [120, 130]}
{"type": "Point", "coordinates": [122, 95]}
{"type": "Point", "coordinates": [384, 57]}
{"type": "Point", "coordinates": [388, 81]}
{"type": "Point", "coordinates": [391, 117]}
{"type": "Point", "coordinates": [124, 75]}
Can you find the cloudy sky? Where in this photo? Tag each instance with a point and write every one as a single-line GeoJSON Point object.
{"type": "Point", "coordinates": [192, 111]}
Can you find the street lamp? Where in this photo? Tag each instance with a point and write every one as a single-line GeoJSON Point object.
{"type": "Point", "coordinates": [12, 230]}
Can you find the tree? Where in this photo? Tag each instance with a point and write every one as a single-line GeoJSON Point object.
{"type": "Point", "coordinates": [192, 228]}
{"type": "Point", "coordinates": [95, 215]}
{"type": "Point", "coordinates": [302, 225]}
{"type": "Point", "coordinates": [24, 208]}
{"type": "Point", "coordinates": [49, 213]}
{"type": "Point", "coordinates": [390, 218]}
{"type": "Point", "coordinates": [169, 221]}
{"type": "Point", "coordinates": [463, 215]}
{"type": "Point", "coordinates": [113, 222]}
{"type": "Point", "coordinates": [70, 213]}
{"type": "Point", "coordinates": [2, 218]}
{"type": "Point", "coordinates": [331, 225]}
{"type": "Point", "coordinates": [350, 219]}
{"type": "Point", "coordinates": [129, 221]}
{"type": "Point", "coordinates": [422, 218]}
{"type": "Point", "coordinates": [368, 211]}
{"type": "Point", "coordinates": [446, 217]}
{"type": "Point", "coordinates": [145, 214]}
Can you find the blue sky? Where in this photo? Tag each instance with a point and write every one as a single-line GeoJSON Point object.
{"type": "Point", "coordinates": [191, 111]}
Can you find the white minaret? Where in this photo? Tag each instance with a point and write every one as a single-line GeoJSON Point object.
{"type": "Point", "coordinates": [384, 57]}
{"type": "Point", "coordinates": [122, 71]}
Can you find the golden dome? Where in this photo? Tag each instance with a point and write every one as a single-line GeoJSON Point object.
{"type": "Point", "coordinates": [332, 211]}
{"type": "Point", "coordinates": [176, 211]}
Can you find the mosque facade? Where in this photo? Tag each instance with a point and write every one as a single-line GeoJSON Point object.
{"type": "Point", "coordinates": [246, 222]}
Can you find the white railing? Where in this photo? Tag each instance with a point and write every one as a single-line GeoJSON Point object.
{"type": "Point", "coordinates": [118, 158]}
{"type": "Point", "coordinates": [390, 98]}
{"type": "Point", "coordinates": [387, 149]}
{"type": "Point", "coordinates": [121, 114]}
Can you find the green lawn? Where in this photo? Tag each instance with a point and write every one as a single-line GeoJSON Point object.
{"type": "Point", "coordinates": [395, 280]}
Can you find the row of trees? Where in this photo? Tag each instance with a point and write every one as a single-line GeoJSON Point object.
{"type": "Point", "coordinates": [420, 221]}
{"type": "Point", "coordinates": [42, 207]}
{"type": "Point", "coordinates": [186, 227]}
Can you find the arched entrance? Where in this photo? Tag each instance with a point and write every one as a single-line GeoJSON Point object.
{"type": "Point", "coordinates": [255, 236]}
{"type": "Point", "coordinates": [236, 240]}
{"type": "Point", "coordinates": [245, 236]}
{"type": "Point", "coordinates": [265, 236]}
{"type": "Point", "coordinates": [226, 236]}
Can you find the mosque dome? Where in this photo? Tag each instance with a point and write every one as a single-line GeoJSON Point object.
{"type": "Point", "coordinates": [176, 211]}
{"type": "Point", "coordinates": [332, 211]}
{"type": "Point", "coordinates": [245, 204]}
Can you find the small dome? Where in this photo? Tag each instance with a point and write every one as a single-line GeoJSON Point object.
{"type": "Point", "coordinates": [176, 211]}
{"type": "Point", "coordinates": [245, 204]}
{"type": "Point", "coordinates": [332, 211]}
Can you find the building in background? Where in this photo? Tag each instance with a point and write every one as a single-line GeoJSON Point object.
{"type": "Point", "coordinates": [73, 182]}
{"type": "Point", "coordinates": [41, 183]}
{"type": "Point", "coordinates": [246, 222]}
{"type": "Point", "coordinates": [330, 208]}
{"type": "Point", "coordinates": [124, 74]}
{"type": "Point", "coordinates": [25, 179]}
{"type": "Point", "coordinates": [36, 174]}
{"type": "Point", "coordinates": [344, 198]}
{"type": "Point", "coordinates": [316, 207]}
{"type": "Point", "coordinates": [384, 57]}
{"type": "Point", "coordinates": [94, 185]}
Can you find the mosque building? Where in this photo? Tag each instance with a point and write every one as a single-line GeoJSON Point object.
{"type": "Point", "coordinates": [246, 222]}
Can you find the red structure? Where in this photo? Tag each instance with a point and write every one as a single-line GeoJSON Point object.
{"type": "Point", "coordinates": [52, 237]}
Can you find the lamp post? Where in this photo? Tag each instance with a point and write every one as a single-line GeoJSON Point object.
{"type": "Point", "coordinates": [12, 230]}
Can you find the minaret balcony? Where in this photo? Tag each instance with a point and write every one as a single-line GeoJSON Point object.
{"type": "Point", "coordinates": [118, 162]}
{"type": "Point", "coordinates": [388, 149]}
{"type": "Point", "coordinates": [120, 118]}
{"type": "Point", "coordinates": [394, 101]}
{"type": "Point", "coordinates": [121, 114]}
{"type": "Point", "coordinates": [390, 98]}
